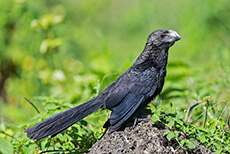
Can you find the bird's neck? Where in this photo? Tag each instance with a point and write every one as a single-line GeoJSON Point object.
{"type": "Point", "coordinates": [153, 57]}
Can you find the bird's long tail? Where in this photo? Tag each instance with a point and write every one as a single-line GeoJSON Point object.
{"type": "Point", "coordinates": [60, 122]}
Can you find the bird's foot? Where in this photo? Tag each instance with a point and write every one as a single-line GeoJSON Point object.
{"type": "Point", "coordinates": [141, 119]}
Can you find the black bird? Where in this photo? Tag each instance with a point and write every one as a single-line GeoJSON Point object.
{"type": "Point", "coordinates": [126, 96]}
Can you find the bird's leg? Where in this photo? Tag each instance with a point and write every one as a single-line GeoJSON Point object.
{"type": "Point", "coordinates": [140, 119]}
{"type": "Point", "coordinates": [147, 117]}
{"type": "Point", "coordinates": [135, 122]}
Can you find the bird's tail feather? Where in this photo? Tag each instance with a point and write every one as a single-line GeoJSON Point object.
{"type": "Point", "coordinates": [60, 122]}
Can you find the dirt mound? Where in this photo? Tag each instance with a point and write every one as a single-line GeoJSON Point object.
{"type": "Point", "coordinates": [144, 138]}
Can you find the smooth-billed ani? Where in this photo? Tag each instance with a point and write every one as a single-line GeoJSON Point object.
{"type": "Point", "coordinates": [127, 95]}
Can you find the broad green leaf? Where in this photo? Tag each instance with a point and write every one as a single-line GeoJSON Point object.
{"type": "Point", "coordinates": [191, 144]}
{"type": "Point", "coordinates": [171, 123]}
{"type": "Point", "coordinates": [202, 138]}
{"type": "Point", "coordinates": [170, 136]}
{"type": "Point", "coordinates": [179, 121]}
{"type": "Point", "coordinates": [154, 119]}
{"type": "Point", "coordinates": [165, 133]}
{"type": "Point", "coordinates": [176, 133]}
{"type": "Point", "coordinates": [30, 149]}
{"type": "Point", "coordinates": [5, 146]}
{"type": "Point", "coordinates": [218, 151]}
{"type": "Point", "coordinates": [182, 142]}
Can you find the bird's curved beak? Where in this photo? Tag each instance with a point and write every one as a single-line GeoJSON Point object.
{"type": "Point", "coordinates": [174, 36]}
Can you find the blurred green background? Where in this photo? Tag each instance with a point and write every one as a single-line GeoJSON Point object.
{"type": "Point", "coordinates": [72, 49]}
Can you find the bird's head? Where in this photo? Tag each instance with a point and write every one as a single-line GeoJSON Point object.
{"type": "Point", "coordinates": [163, 38]}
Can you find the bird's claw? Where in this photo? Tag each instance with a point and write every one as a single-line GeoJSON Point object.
{"type": "Point", "coordinates": [140, 119]}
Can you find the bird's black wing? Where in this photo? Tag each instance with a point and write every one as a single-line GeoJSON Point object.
{"type": "Point", "coordinates": [132, 90]}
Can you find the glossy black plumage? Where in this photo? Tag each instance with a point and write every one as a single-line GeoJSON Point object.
{"type": "Point", "coordinates": [131, 92]}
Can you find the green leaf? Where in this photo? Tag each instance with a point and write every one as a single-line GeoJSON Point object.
{"type": "Point", "coordinates": [202, 138]}
{"type": "Point", "coordinates": [191, 144]}
{"type": "Point", "coordinates": [176, 133]}
{"type": "Point", "coordinates": [27, 150]}
{"type": "Point", "coordinates": [218, 151]}
{"type": "Point", "coordinates": [165, 133]}
{"type": "Point", "coordinates": [5, 146]}
{"type": "Point", "coordinates": [154, 119]}
{"type": "Point", "coordinates": [171, 123]}
{"type": "Point", "coordinates": [170, 136]}
{"type": "Point", "coordinates": [203, 129]}
{"type": "Point", "coordinates": [182, 142]}
{"type": "Point", "coordinates": [50, 107]}
{"type": "Point", "coordinates": [179, 121]}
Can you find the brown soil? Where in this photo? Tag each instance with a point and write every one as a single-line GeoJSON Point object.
{"type": "Point", "coordinates": [145, 138]}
